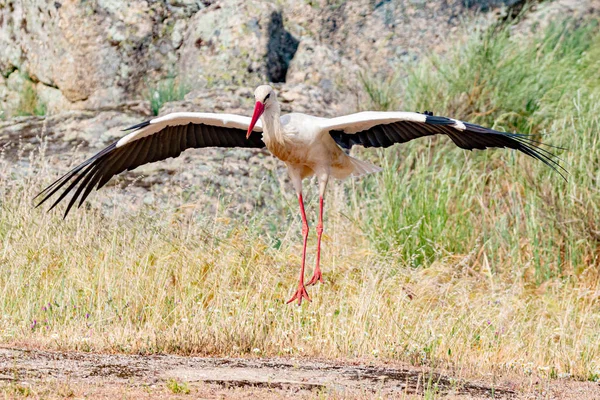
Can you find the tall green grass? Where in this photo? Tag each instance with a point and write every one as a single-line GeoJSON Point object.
{"type": "Point", "coordinates": [382, 94]}
{"type": "Point", "coordinates": [434, 199]}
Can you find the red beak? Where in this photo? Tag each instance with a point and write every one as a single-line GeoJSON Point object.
{"type": "Point", "coordinates": [259, 108]}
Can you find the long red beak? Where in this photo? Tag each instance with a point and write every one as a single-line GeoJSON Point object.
{"type": "Point", "coordinates": [259, 108]}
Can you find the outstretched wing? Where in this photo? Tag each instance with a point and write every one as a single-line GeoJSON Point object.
{"type": "Point", "coordinates": [150, 141]}
{"type": "Point", "coordinates": [383, 129]}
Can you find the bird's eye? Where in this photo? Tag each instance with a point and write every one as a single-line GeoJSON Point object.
{"type": "Point", "coordinates": [267, 97]}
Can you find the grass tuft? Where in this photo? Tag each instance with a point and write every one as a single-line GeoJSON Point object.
{"type": "Point", "coordinates": [177, 387]}
{"type": "Point", "coordinates": [167, 90]}
{"type": "Point", "coordinates": [29, 103]}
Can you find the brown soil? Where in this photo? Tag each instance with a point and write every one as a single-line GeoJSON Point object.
{"type": "Point", "coordinates": [45, 374]}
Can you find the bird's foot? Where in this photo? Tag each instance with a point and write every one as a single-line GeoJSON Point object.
{"type": "Point", "coordinates": [317, 277]}
{"type": "Point", "coordinates": [300, 294]}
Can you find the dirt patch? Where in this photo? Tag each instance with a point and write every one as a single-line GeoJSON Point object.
{"type": "Point", "coordinates": [285, 376]}
{"type": "Point", "coordinates": [50, 374]}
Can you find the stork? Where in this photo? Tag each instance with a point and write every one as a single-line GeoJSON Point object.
{"type": "Point", "coordinates": [308, 145]}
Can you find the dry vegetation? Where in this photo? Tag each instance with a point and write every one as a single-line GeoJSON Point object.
{"type": "Point", "coordinates": [483, 263]}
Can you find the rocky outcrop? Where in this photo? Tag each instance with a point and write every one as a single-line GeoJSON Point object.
{"type": "Point", "coordinates": [98, 53]}
{"type": "Point", "coordinates": [226, 44]}
{"type": "Point", "coordinates": [71, 55]}
{"type": "Point", "coordinates": [94, 53]}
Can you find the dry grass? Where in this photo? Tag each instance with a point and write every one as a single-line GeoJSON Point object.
{"type": "Point", "coordinates": [483, 264]}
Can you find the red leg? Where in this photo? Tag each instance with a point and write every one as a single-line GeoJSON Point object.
{"type": "Point", "coordinates": [317, 276]}
{"type": "Point", "coordinates": [301, 293]}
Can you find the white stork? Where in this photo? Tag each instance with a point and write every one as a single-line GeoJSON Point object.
{"type": "Point", "coordinates": [308, 146]}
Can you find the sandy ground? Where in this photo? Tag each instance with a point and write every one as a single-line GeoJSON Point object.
{"type": "Point", "coordinates": [46, 374]}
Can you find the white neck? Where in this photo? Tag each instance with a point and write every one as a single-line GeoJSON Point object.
{"type": "Point", "coordinates": [272, 129]}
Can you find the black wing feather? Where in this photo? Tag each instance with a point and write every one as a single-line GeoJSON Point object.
{"type": "Point", "coordinates": [80, 188]}
{"type": "Point", "coordinates": [472, 137]}
{"type": "Point", "coordinates": [112, 160]}
{"type": "Point", "coordinates": [89, 184]}
{"type": "Point", "coordinates": [71, 186]}
{"type": "Point", "coordinates": [116, 165]}
{"type": "Point", "coordinates": [142, 155]}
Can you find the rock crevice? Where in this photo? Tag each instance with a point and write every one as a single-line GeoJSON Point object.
{"type": "Point", "coordinates": [281, 48]}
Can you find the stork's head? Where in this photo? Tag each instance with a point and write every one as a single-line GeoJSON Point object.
{"type": "Point", "coordinates": [265, 98]}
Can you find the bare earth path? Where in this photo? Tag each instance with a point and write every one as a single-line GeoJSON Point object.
{"type": "Point", "coordinates": [36, 373]}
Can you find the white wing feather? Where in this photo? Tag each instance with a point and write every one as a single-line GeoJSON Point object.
{"type": "Point", "coordinates": [184, 118]}
{"type": "Point", "coordinates": [361, 121]}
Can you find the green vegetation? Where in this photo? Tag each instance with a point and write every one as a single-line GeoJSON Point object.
{"type": "Point", "coordinates": [19, 390]}
{"type": "Point", "coordinates": [169, 89]}
{"type": "Point", "coordinates": [177, 387]}
{"type": "Point", "coordinates": [29, 103]}
{"type": "Point", "coordinates": [383, 94]}
{"type": "Point", "coordinates": [433, 195]}
{"type": "Point", "coordinates": [482, 262]}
